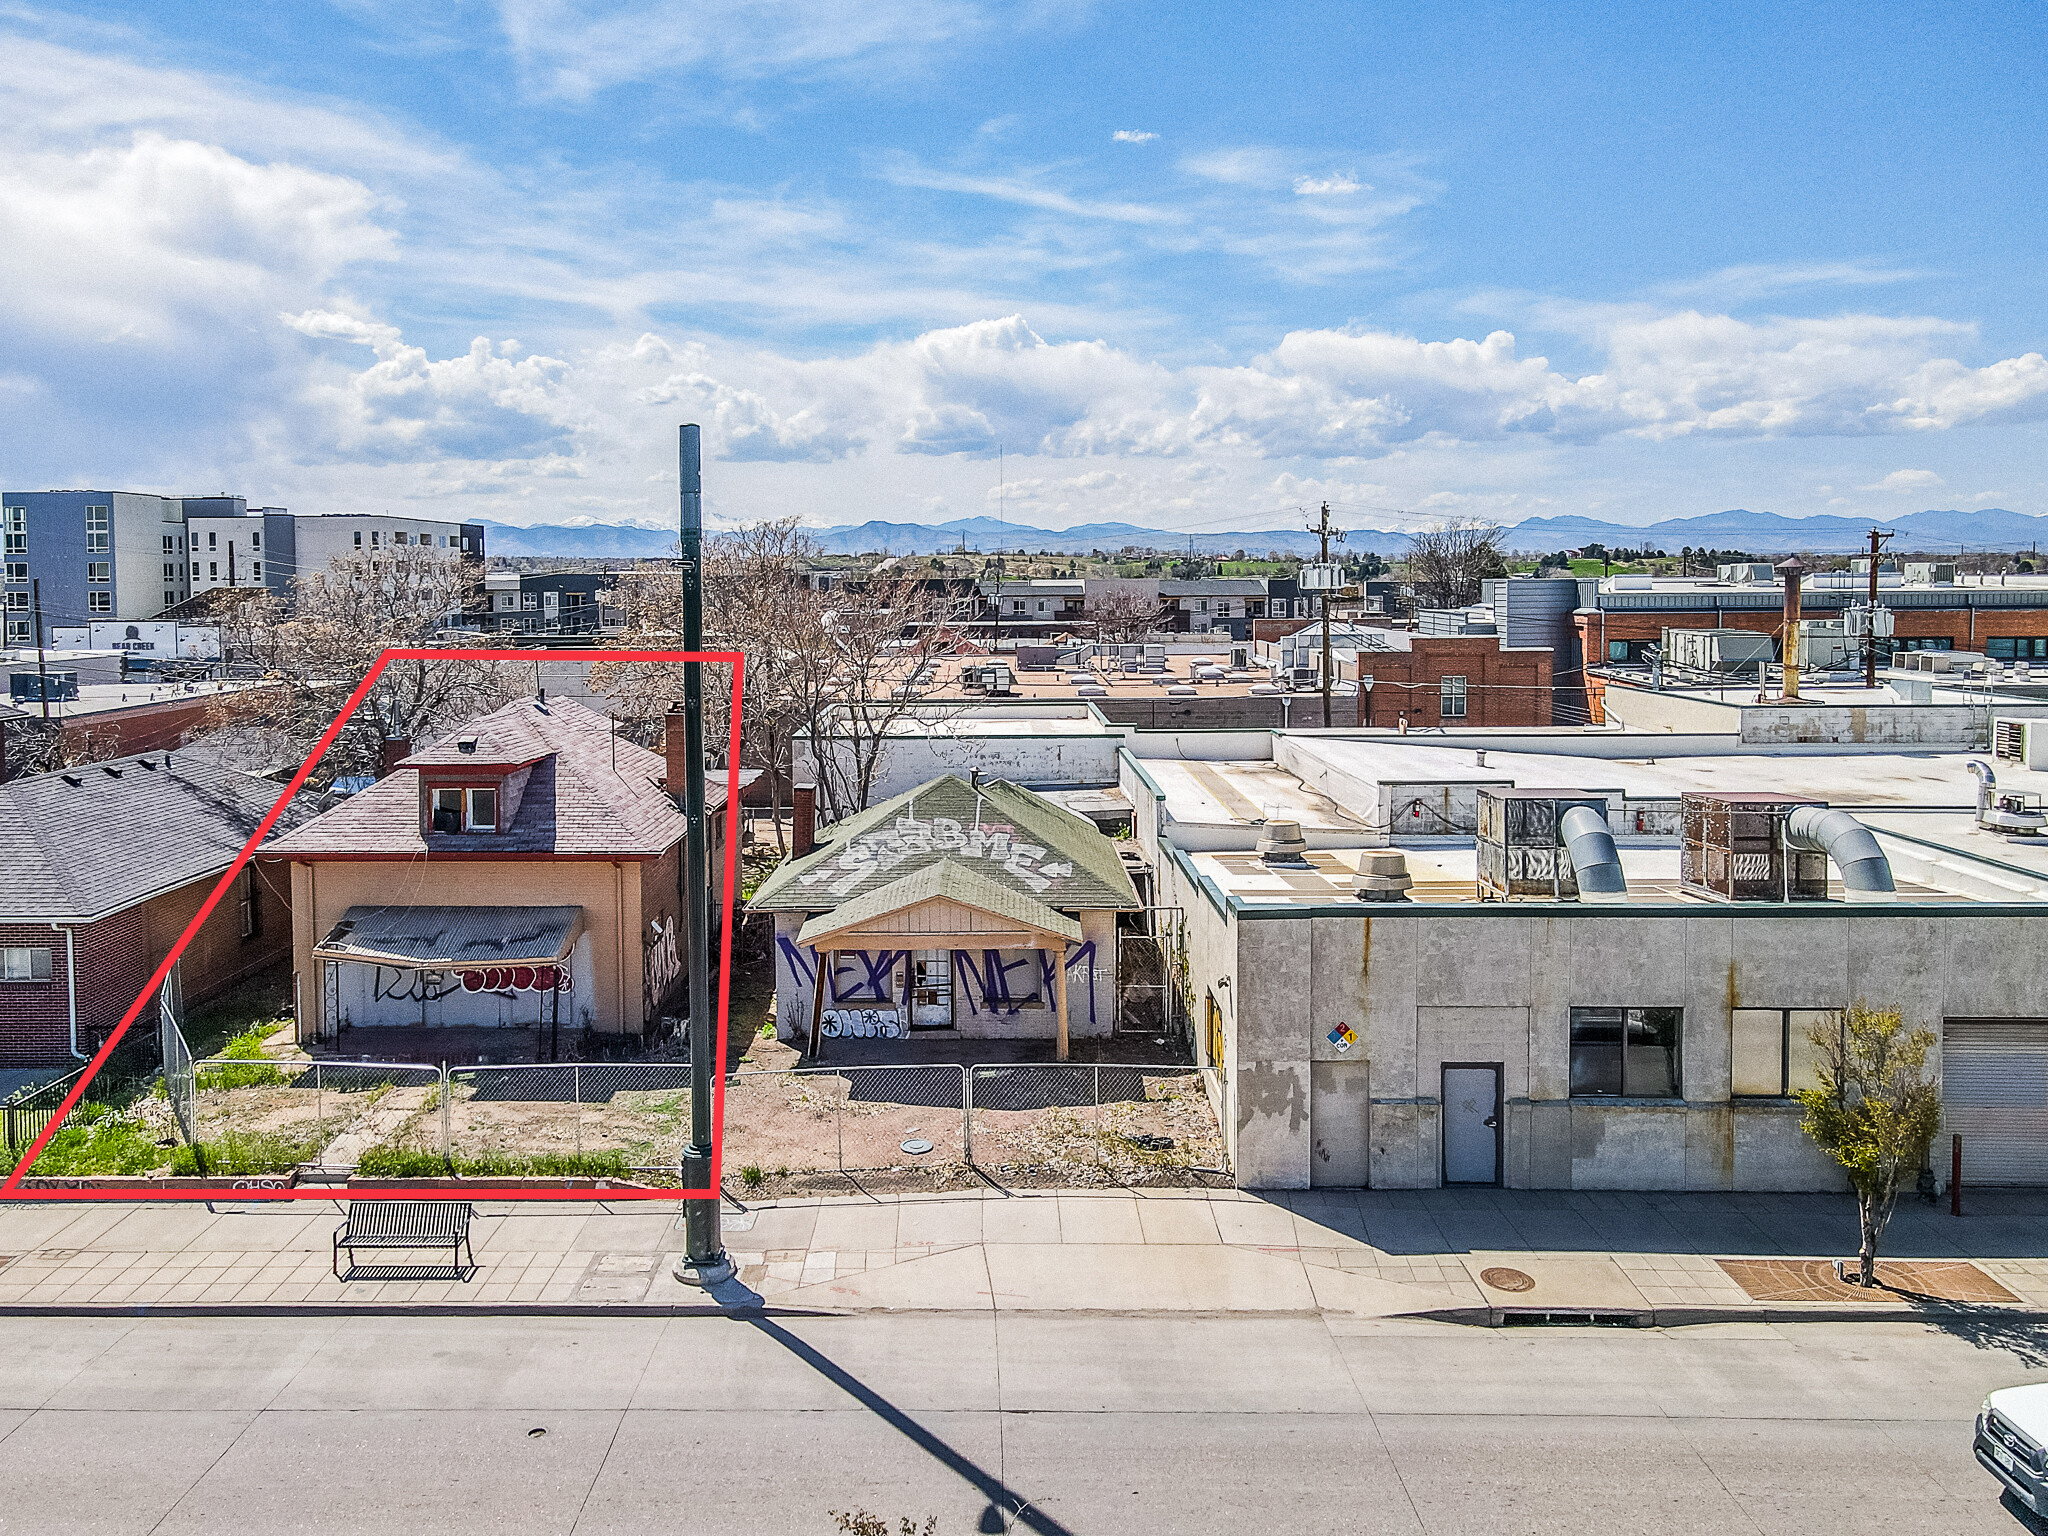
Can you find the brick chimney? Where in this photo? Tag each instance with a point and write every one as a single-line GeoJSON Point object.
{"type": "Point", "coordinates": [672, 748]}
{"type": "Point", "coordinates": [803, 821]}
{"type": "Point", "coordinates": [391, 751]}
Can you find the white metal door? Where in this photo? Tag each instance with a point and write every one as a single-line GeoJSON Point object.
{"type": "Point", "coordinates": [931, 989]}
{"type": "Point", "coordinates": [1472, 1125]}
{"type": "Point", "coordinates": [1994, 1094]}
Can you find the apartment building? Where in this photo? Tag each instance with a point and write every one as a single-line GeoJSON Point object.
{"type": "Point", "coordinates": [75, 556]}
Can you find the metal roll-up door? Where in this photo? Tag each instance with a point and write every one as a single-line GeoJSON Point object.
{"type": "Point", "coordinates": [1994, 1094]}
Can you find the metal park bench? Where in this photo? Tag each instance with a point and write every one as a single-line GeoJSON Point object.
{"type": "Point", "coordinates": [405, 1224]}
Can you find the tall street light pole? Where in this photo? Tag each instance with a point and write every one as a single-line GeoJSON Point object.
{"type": "Point", "coordinates": [704, 1260]}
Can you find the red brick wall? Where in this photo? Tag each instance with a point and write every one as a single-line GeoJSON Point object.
{"type": "Point", "coordinates": [33, 1014]}
{"type": "Point", "coordinates": [1502, 688]}
{"type": "Point", "coordinates": [1965, 629]}
{"type": "Point", "coordinates": [116, 956]}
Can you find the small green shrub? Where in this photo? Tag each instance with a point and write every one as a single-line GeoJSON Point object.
{"type": "Point", "coordinates": [751, 1175]}
{"type": "Point", "coordinates": [389, 1162]}
{"type": "Point", "coordinates": [97, 1140]}
{"type": "Point", "coordinates": [238, 1153]}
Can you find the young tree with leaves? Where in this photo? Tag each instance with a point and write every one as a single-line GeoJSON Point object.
{"type": "Point", "coordinates": [1876, 1111]}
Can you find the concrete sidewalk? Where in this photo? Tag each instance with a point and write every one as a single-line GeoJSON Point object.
{"type": "Point", "coordinates": [1364, 1253]}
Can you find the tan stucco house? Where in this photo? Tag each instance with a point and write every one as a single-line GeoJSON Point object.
{"type": "Point", "coordinates": [520, 874]}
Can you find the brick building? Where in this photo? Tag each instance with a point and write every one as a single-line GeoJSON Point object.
{"type": "Point", "coordinates": [1621, 617]}
{"type": "Point", "coordinates": [1469, 681]}
{"type": "Point", "coordinates": [101, 868]}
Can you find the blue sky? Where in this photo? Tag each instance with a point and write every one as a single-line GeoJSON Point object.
{"type": "Point", "coordinates": [1191, 266]}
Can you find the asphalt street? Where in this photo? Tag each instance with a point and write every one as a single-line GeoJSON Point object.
{"type": "Point", "coordinates": [1084, 1423]}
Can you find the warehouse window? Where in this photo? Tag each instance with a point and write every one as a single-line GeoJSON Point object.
{"type": "Point", "coordinates": [2017, 647]}
{"type": "Point", "coordinates": [256, 571]}
{"type": "Point", "coordinates": [1625, 1052]}
{"type": "Point", "coordinates": [1451, 698]}
{"type": "Point", "coordinates": [24, 964]}
{"type": "Point", "coordinates": [1770, 1055]}
{"type": "Point", "coordinates": [255, 538]}
{"type": "Point", "coordinates": [16, 522]}
{"type": "Point", "coordinates": [95, 530]}
{"type": "Point", "coordinates": [18, 600]}
{"type": "Point", "coordinates": [99, 602]}
{"type": "Point", "coordinates": [17, 570]}
{"type": "Point", "coordinates": [99, 570]}
{"type": "Point", "coordinates": [18, 630]}
{"type": "Point", "coordinates": [359, 541]}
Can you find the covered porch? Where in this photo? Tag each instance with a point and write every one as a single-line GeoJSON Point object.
{"type": "Point", "coordinates": [918, 925]}
{"type": "Point", "coordinates": [468, 971]}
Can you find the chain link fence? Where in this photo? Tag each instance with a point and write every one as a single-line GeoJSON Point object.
{"type": "Point", "coordinates": [939, 1127]}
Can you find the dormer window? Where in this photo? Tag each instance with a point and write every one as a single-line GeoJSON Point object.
{"type": "Point", "coordinates": [465, 810]}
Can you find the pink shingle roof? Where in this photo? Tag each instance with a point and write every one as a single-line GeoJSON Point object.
{"type": "Point", "coordinates": [575, 805]}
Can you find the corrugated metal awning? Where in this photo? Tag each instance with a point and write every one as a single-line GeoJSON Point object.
{"type": "Point", "coordinates": [452, 938]}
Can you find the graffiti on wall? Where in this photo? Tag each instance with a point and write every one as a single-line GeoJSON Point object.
{"type": "Point", "coordinates": [660, 966]}
{"type": "Point", "coordinates": [881, 850]}
{"type": "Point", "coordinates": [403, 984]}
{"type": "Point", "coordinates": [992, 981]}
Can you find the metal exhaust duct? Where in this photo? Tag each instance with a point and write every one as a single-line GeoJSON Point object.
{"type": "Point", "coordinates": [1866, 872]}
{"type": "Point", "coordinates": [1596, 862]}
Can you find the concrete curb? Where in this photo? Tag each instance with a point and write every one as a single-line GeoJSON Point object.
{"type": "Point", "coordinates": [1686, 1317]}
{"type": "Point", "coordinates": [410, 1309]}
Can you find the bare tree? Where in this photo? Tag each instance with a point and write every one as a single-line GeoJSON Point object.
{"type": "Point", "coordinates": [841, 667]}
{"type": "Point", "coordinates": [1447, 562]}
{"type": "Point", "coordinates": [1126, 614]}
{"type": "Point", "coordinates": [883, 640]}
{"type": "Point", "coordinates": [315, 652]}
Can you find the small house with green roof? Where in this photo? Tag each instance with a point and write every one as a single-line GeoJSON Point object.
{"type": "Point", "coordinates": [962, 908]}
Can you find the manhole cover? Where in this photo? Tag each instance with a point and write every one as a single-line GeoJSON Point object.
{"type": "Point", "coordinates": [917, 1146]}
{"type": "Point", "coordinates": [1506, 1280]}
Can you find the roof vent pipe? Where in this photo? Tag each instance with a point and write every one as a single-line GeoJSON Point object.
{"type": "Point", "coordinates": [1866, 873]}
{"type": "Point", "coordinates": [1282, 844]}
{"type": "Point", "coordinates": [1987, 786]}
{"type": "Point", "coordinates": [1596, 862]}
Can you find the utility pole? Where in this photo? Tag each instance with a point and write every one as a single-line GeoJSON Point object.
{"type": "Point", "coordinates": [35, 589]}
{"type": "Point", "coordinates": [1324, 530]}
{"type": "Point", "coordinates": [1877, 538]}
{"type": "Point", "coordinates": [704, 1261]}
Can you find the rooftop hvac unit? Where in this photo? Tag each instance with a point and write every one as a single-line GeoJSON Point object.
{"type": "Point", "coordinates": [1718, 650]}
{"type": "Point", "coordinates": [1521, 845]}
{"type": "Point", "coordinates": [2024, 742]}
{"type": "Point", "coordinates": [1735, 850]}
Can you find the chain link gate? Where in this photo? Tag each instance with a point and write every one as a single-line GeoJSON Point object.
{"type": "Point", "coordinates": [180, 1081]}
{"type": "Point", "coordinates": [1150, 997]}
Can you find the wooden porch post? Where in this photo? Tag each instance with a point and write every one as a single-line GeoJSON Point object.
{"type": "Point", "coordinates": [818, 1002]}
{"type": "Point", "coordinates": [1059, 982]}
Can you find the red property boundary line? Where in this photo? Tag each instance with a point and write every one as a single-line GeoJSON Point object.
{"type": "Point", "coordinates": [11, 1189]}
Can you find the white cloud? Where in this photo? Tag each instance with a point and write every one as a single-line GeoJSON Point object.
{"type": "Point", "coordinates": [575, 48]}
{"type": "Point", "coordinates": [486, 403]}
{"type": "Point", "coordinates": [1340, 184]}
{"type": "Point", "coordinates": [1133, 136]}
{"type": "Point", "coordinates": [1904, 480]}
{"type": "Point", "coordinates": [1732, 285]}
{"type": "Point", "coordinates": [906, 171]}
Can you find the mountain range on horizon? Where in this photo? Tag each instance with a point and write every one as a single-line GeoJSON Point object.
{"type": "Point", "coordinates": [1759, 533]}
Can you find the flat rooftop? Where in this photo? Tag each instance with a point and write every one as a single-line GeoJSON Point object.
{"type": "Point", "coordinates": [1449, 877]}
{"type": "Point", "coordinates": [108, 698]}
{"type": "Point", "coordinates": [1238, 793]}
{"type": "Point", "coordinates": [1846, 779]}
